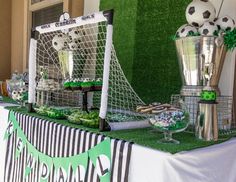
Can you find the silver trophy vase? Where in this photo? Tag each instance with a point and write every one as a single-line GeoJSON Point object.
{"type": "Point", "coordinates": [194, 53]}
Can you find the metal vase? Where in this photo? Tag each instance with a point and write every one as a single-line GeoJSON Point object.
{"type": "Point", "coordinates": [206, 125]}
{"type": "Point", "coordinates": [194, 53]}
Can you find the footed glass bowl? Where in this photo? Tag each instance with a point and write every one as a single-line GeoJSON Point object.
{"type": "Point", "coordinates": [172, 120]}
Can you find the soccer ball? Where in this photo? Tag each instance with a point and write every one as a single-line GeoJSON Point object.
{"type": "Point", "coordinates": [200, 11]}
{"type": "Point", "coordinates": [22, 90]}
{"type": "Point", "coordinates": [75, 34]}
{"type": "Point", "coordinates": [19, 97]}
{"type": "Point", "coordinates": [225, 23]}
{"type": "Point", "coordinates": [208, 28]}
{"type": "Point", "coordinates": [59, 42]}
{"type": "Point", "coordinates": [186, 30]}
{"type": "Point", "coordinates": [14, 95]}
{"type": "Point", "coordinates": [74, 45]}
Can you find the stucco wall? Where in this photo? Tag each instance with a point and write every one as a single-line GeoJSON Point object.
{"type": "Point", "coordinates": [5, 39]}
{"type": "Point", "coordinates": [77, 8]}
{"type": "Point", "coordinates": [91, 6]}
{"type": "Point", "coordinates": [17, 35]}
{"type": "Point", "coordinates": [17, 30]}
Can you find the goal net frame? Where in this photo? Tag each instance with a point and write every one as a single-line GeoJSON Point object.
{"type": "Point", "coordinates": [68, 24]}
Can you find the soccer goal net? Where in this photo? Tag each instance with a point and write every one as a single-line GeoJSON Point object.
{"type": "Point", "coordinates": [73, 63]}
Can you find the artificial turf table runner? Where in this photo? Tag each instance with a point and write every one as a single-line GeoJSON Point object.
{"type": "Point", "coordinates": [144, 137]}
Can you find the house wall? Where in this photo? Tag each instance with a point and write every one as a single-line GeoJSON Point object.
{"type": "Point", "coordinates": [91, 6]}
{"type": "Point", "coordinates": [77, 8]}
{"type": "Point", "coordinates": [5, 39]}
{"type": "Point", "coordinates": [17, 35]}
{"type": "Point", "coordinates": [17, 27]}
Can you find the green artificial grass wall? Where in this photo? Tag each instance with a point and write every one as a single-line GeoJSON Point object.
{"type": "Point", "coordinates": [142, 38]}
{"type": "Point", "coordinates": [124, 31]}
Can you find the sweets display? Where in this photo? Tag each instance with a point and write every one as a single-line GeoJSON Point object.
{"type": "Point", "coordinates": [85, 84]}
{"type": "Point", "coordinates": [172, 120]}
{"type": "Point", "coordinates": [74, 115]}
{"type": "Point", "coordinates": [53, 112]}
{"type": "Point", "coordinates": [153, 108]}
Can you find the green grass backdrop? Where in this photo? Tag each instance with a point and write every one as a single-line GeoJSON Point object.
{"type": "Point", "coordinates": [142, 39]}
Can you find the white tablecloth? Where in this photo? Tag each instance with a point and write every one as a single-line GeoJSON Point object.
{"type": "Point", "coordinates": [211, 164]}
{"type": "Point", "coordinates": [3, 126]}
{"type": "Point", "coordinates": [216, 163]}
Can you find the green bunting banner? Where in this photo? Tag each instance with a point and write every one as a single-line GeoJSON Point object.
{"type": "Point", "coordinates": [100, 155]}
{"type": "Point", "coordinates": [101, 158]}
{"type": "Point", "coordinates": [12, 125]}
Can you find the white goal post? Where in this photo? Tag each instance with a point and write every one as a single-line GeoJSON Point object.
{"type": "Point", "coordinates": [82, 48]}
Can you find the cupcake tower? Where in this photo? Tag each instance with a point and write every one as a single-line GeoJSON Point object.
{"type": "Point", "coordinates": [202, 20]}
{"type": "Point", "coordinates": [84, 84]}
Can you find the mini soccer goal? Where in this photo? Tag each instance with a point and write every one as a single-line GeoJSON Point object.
{"type": "Point", "coordinates": [73, 63]}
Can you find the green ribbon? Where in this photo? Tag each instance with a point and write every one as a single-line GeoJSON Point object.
{"type": "Point", "coordinates": [230, 39]}
{"type": "Point", "coordinates": [101, 159]}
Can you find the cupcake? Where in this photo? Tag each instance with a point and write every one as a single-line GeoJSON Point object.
{"type": "Point", "coordinates": [97, 84]}
{"type": "Point", "coordinates": [66, 84]}
{"type": "Point", "coordinates": [76, 84]}
{"type": "Point", "coordinates": [87, 84]}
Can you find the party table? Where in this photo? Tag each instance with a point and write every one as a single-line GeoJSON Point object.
{"type": "Point", "coordinates": [145, 160]}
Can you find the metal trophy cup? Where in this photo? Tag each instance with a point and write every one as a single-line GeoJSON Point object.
{"type": "Point", "coordinates": [201, 60]}
{"type": "Point", "coordinates": [193, 54]}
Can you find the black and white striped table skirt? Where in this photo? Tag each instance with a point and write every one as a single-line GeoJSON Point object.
{"type": "Point", "coordinates": [57, 140]}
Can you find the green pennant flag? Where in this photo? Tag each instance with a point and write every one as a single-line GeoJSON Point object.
{"type": "Point", "coordinates": [100, 156]}
{"type": "Point", "coordinates": [20, 142]}
{"type": "Point", "coordinates": [61, 165]}
{"type": "Point", "coordinates": [45, 166]}
{"type": "Point", "coordinates": [31, 159]}
{"type": "Point", "coordinates": [12, 125]}
{"type": "Point", "coordinates": [29, 164]}
{"type": "Point", "coordinates": [79, 164]}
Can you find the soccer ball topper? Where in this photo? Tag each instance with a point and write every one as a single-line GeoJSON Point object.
{"type": "Point", "coordinates": [208, 28]}
{"type": "Point", "coordinates": [186, 30]}
{"type": "Point", "coordinates": [199, 11]}
{"type": "Point", "coordinates": [225, 23]}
